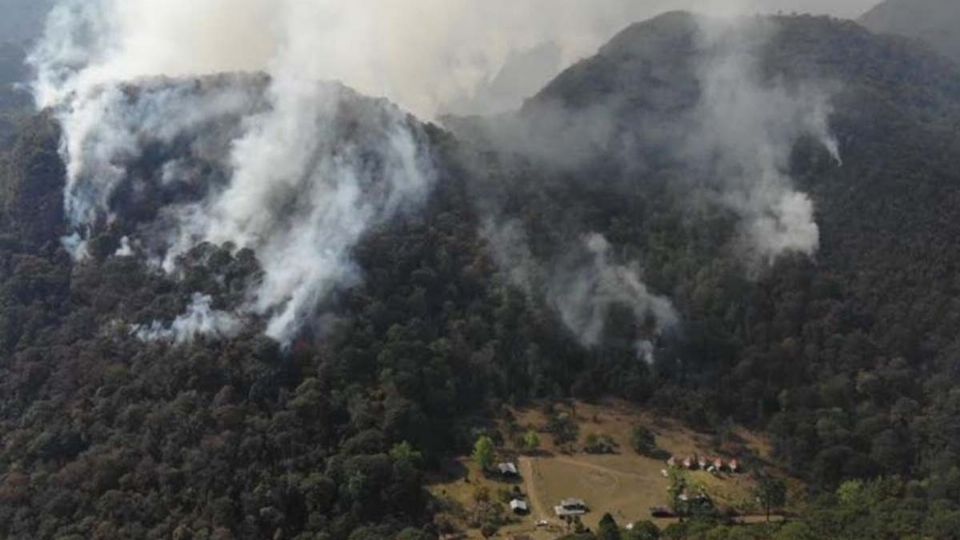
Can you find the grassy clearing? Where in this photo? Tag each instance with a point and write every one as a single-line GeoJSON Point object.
{"type": "Point", "coordinates": [622, 483]}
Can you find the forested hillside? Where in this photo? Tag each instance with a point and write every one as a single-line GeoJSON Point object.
{"type": "Point", "coordinates": [847, 357]}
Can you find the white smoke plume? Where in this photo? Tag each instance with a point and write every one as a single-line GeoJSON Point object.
{"type": "Point", "coordinates": [125, 249]}
{"type": "Point", "coordinates": [744, 132]}
{"type": "Point", "coordinates": [298, 194]}
{"type": "Point", "coordinates": [200, 319]}
{"type": "Point", "coordinates": [584, 294]}
{"type": "Point", "coordinates": [583, 288]}
{"type": "Point", "coordinates": [105, 127]}
{"type": "Point", "coordinates": [313, 166]}
{"type": "Point", "coordinates": [304, 191]}
{"type": "Point", "coordinates": [736, 140]}
{"type": "Point", "coordinates": [733, 138]}
{"type": "Point", "coordinates": [423, 54]}
{"type": "Point", "coordinates": [510, 248]}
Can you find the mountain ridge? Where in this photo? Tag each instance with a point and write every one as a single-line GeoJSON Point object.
{"type": "Point", "coordinates": [846, 357]}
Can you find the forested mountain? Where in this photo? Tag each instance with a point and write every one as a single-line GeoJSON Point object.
{"type": "Point", "coordinates": [931, 21]}
{"type": "Point", "coordinates": [847, 357]}
{"type": "Point", "coordinates": [800, 348]}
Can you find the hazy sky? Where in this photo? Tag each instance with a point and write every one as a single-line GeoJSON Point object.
{"type": "Point", "coordinates": [20, 18]}
{"type": "Point", "coordinates": [420, 53]}
{"type": "Point", "coordinates": [839, 8]}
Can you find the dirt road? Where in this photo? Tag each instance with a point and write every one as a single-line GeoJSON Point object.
{"type": "Point", "coordinates": [528, 471]}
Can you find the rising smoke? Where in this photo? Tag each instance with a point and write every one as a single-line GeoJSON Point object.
{"type": "Point", "coordinates": [200, 319]}
{"type": "Point", "coordinates": [584, 292]}
{"type": "Point", "coordinates": [732, 138]}
{"type": "Point", "coordinates": [312, 166]}
{"type": "Point", "coordinates": [583, 285]}
{"type": "Point", "coordinates": [422, 54]}
{"type": "Point", "coordinates": [743, 133]}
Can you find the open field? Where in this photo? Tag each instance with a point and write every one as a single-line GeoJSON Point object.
{"type": "Point", "coordinates": [626, 495]}
{"type": "Point", "coordinates": [622, 483]}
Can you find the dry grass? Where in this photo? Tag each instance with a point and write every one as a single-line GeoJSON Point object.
{"type": "Point", "coordinates": [626, 495]}
{"type": "Point", "coordinates": [624, 484]}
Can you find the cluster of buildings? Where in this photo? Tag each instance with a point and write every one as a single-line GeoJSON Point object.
{"type": "Point", "coordinates": [509, 472]}
{"type": "Point", "coordinates": [519, 505]}
{"type": "Point", "coordinates": [700, 463]}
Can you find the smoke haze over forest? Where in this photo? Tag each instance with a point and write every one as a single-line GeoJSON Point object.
{"type": "Point", "coordinates": [425, 56]}
{"type": "Point", "coordinates": [271, 268]}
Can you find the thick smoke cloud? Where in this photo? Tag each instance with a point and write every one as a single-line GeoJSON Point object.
{"type": "Point", "coordinates": [427, 55]}
{"type": "Point", "coordinates": [105, 128]}
{"type": "Point", "coordinates": [302, 190]}
{"type": "Point", "coordinates": [742, 136]}
{"type": "Point", "coordinates": [731, 139]}
{"type": "Point", "coordinates": [312, 165]}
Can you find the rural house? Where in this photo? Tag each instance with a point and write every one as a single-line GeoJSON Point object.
{"type": "Point", "coordinates": [508, 470]}
{"type": "Point", "coordinates": [519, 506]}
{"type": "Point", "coordinates": [571, 507]}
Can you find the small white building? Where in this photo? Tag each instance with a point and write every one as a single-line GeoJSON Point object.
{"type": "Point", "coordinates": [519, 506]}
{"type": "Point", "coordinates": [571, 507]}
{"type": "Point", "coordinates": [509, 470]}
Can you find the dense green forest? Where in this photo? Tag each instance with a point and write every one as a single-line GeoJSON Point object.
{"type": "Point", "coordinates": [846, 358]}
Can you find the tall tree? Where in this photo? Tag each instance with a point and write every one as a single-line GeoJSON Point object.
{"type": "Point", "coordinates": [608, 528]}
{"type": "Point", "coordinates": [531, 441]}
{"type": "Point", "coordinates": [772, 494]}
{"type": "Point", "coordinates": [484, 453]}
